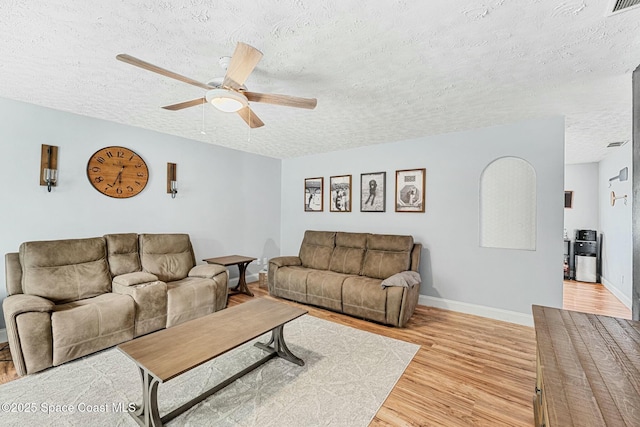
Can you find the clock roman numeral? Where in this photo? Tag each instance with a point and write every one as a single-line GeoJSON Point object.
{"type": "Point", "coordinates": [121, 164]}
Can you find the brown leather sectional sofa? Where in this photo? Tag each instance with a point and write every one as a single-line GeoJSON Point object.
{"type": "Point", "coordinates": [344, 272]}
{"type": "Point", "coordinates": [70, 298]}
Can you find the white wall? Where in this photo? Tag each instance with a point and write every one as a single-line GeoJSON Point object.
{"type": "Point", "coordinates": [582, 179]}
{"type": "Point", "coordinates": [219, 203]}
{"type": "Point", "coordinates": [453, 265]}
{"type": "Point", "coordinates": [616, 224]}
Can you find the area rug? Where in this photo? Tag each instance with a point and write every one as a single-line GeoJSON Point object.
{"type": "Point", "coordinates": [348, 373]}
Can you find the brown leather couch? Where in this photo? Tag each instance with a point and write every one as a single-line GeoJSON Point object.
{"type": "Point", "coordinates": [70, 298]}
{"type": "Point", "coordinates": [344, 271]}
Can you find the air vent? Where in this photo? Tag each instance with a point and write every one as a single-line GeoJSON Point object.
{"type": "Point", "coordinates": [616, 144]}
{"type": "Point", "coordinates": [620, 5]}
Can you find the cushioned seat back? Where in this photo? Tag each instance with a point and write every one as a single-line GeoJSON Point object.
{"type": "Point", "coordinates": [65, 270]}
{"type": "Point", "coordinates": [387, 255]}
{"type": "Point", "coordinates": [348, 255]}
{"type": "Point", "coordinates": [122, 251]}
{"type": "Point", "coordinates": [168, 256]}
{"type": "Point", "coordinates": [316, 249]}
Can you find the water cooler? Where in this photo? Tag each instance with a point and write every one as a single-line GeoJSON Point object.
{"type": "Point", "coordinates": [585, 250]}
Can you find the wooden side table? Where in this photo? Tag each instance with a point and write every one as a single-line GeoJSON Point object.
{"type": "Point", "coordinates": [241, 262]}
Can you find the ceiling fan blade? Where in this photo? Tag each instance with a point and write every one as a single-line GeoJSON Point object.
{"type": "Point", "coordinates": [186, 104]}
{"type": "Point", "coordinates": [288, 101]}
{"type": "Point", "coordinates": [150, 67]}
{"type": "Point", "coordinates": [250, 117]}
{"type": "Point", "coordinates": [244, 60]}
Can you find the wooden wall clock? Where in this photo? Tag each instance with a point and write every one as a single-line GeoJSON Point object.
{"type": "Point", "coordinates": [117, 172]}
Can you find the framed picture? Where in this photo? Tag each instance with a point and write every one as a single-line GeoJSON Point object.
{"type": "Point", "coordinates": [568, 199]}
{"type": "Point", "coordinates": [373, 192]}
{"type": "Point", "coordinates": [410, 184]}
{"type": "Point", "coordinates": [313, 190]}
{"type": "Point", "coordinates": [340, 193]}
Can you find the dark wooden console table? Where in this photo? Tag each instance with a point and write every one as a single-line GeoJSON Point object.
{"type": "Point", "coordinates": [241, 262]}
{"type": "Point", "coordinates": [588, 369]}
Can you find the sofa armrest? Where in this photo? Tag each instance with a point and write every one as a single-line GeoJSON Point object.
{"type": "Point", "coordinates": [207, 271]}
{"type": "Point", "coordinates": [133, 279]}
{"type": "Point", "coordinates": [20, 303]}
{"type": "Point", "coordinates": [284, 261]}
{"type": "Point", "coordinates": [150, 299]}
{"type": "Point", "coordinates": [13, 306]}
{"type": "Point", "coordinates": [275, 264]}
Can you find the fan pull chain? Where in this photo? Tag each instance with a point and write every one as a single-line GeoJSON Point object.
{"type": "Point", "coordinates": [249, 135]}
{"type": "Point", "coordinates": [204, 101]}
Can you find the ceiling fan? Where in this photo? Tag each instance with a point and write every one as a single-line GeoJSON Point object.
{"type": "Point", "coordinates": [229, 94]}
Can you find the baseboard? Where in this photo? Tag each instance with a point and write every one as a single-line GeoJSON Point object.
{"type": "Point", "coordinates": [478, 310]}
{"type": "Point", "coordinates": [3, 335]}
{"type": "Point", "coordinates": [616, 292]}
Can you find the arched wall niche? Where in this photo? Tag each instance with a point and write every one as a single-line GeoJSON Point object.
{"type": "Point", "coordinates": [508, 205]}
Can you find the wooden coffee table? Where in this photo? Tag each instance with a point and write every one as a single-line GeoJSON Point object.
{"type": "Point", "coordinates": [166, 354]}
{"type": "Point", "coordinates": [241, 262]}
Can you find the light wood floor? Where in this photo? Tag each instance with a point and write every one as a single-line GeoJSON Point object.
{"type": "Point", "coordinates": [469, 370]}
{"type": "Point", "coordinates": [592, 298]}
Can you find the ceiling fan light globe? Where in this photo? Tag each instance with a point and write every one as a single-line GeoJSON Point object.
{"type": "Point", "coordinates": [226, 100]}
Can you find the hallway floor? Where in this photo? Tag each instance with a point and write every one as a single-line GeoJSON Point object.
{"type": "Point", "coordinates": [592, 298]}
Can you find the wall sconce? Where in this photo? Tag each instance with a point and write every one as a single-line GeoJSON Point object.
{"type": "Point", "coordinates": [49, 166]}
{"type": "Point", "coordinates": [172, 181]}
{"type": "Point", "coordinates": [614, 198]}
{"type": "Point", "coordinates": [622, 176]}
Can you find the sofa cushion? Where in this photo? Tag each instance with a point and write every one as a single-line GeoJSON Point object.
{"type": "Point", "coordinates": [352, 240]}
{"type": "Point", "coordinates": [363, 297]}
{"type": "Point", "coordinates": [316, 249]}
{"type": "Point", "coordinates": [168, 256]}
{"type": "Point", "coordinates": [387, 255]}
{"type": "Point", "coordinates": [348, 255]}
{"type": "Point", "coordinates": [65, 270]}
{"type": "Point", "coordinates": [92, 324]}
{"type": "Point", "coordinates": [324, 289]}
{"type": "Point", "coordinates": [122, 250]}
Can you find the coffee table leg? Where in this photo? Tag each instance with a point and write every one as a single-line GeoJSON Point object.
{"type": "Point", "coordinates": [279, 346]}
{"type": "Point", "coordinates": [147, 414]}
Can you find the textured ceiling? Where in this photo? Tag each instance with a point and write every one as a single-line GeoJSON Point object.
{"type": "Point", "coordinates": [381, 70]}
